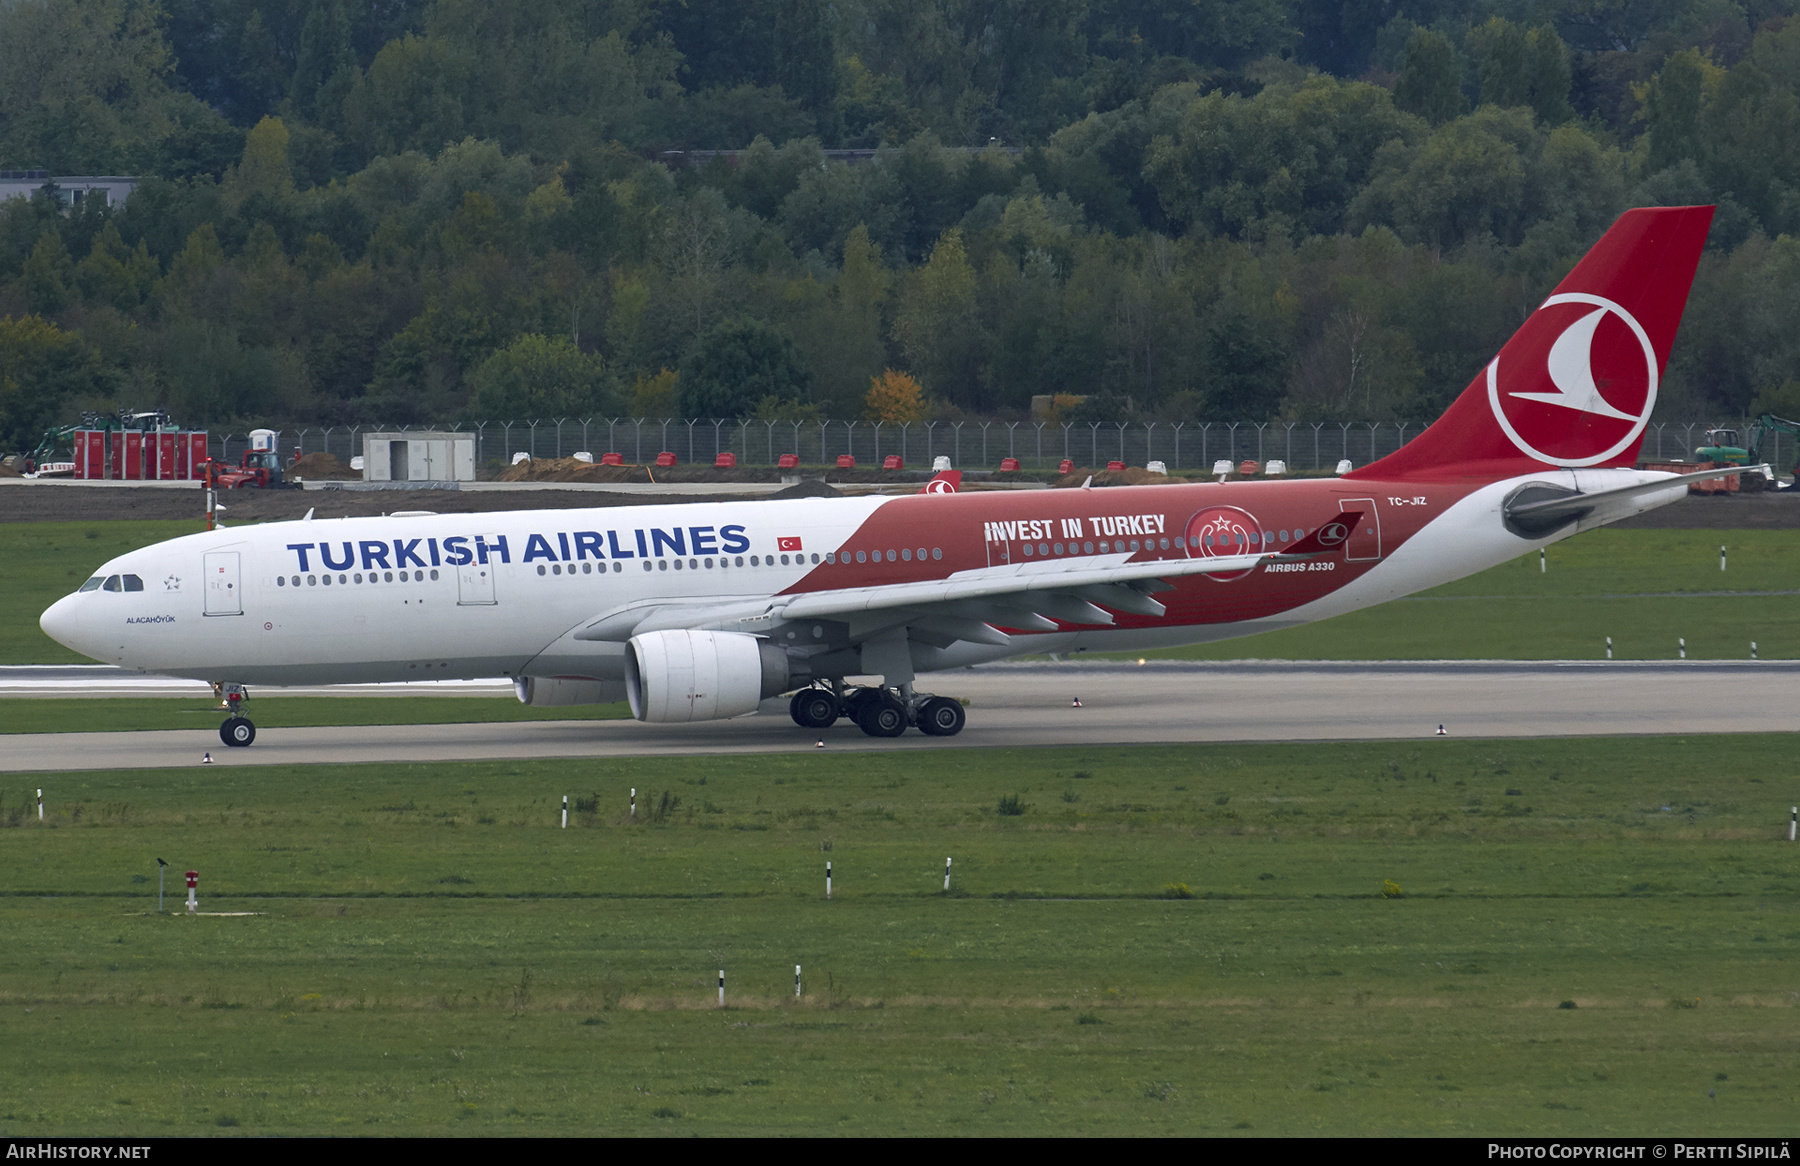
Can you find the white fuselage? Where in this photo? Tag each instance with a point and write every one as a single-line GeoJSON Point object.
{"type": "Point", "coordinates": [361, 600]}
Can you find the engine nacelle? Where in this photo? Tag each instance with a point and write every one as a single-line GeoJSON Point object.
{"type": "Point", "coordinates": [674, 677]}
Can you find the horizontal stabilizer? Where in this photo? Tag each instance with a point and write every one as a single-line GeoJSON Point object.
{"type": "Point", "coordinates": [1534, 515]}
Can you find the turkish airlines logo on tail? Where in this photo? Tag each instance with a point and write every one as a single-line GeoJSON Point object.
{"type": "Point", "coordinates": [1576, 386]}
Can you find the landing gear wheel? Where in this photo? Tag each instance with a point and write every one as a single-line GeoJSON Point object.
{"type": "Point", "coordinates": [941, 717]}
{"type": "Point", "coordinates": [858, 699]}
{"type": "Point", "coordinates": [882, 716]}
{"type": "Point", "coordinates": [814, 708]}
{"type": "Point", "coordinates": [237, 732]}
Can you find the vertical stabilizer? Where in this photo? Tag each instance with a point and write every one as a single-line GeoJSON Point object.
{"type": "Point", "coordinates": [1576, 384]}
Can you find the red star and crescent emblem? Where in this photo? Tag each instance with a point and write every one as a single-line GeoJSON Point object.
{"type": "Point", "coordinates": [1221, 531]}
{"type": "Point", "coordinates": [787, 544]}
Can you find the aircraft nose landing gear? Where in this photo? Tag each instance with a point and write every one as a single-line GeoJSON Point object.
{"type": "Point", "coordinates": [237, 731]}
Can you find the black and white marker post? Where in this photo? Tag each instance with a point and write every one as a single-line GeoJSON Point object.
{"type": "Point", "coordinates": [1609, 647]}
{"type": "Point", "coordinates": [1721, 558]}
{"type": "Point", "coordinates": [828, 880]}
{"type": "Point", "coordinates": [721, 987]}
{"type": "Point", "coordinates": [634, 803]}
{"type": "Point", "coordinates": [796, 981]}
{"type": "Point", "coordinates": [193, 878]}
{"type": "Point", "coordinates": [160, 867]}
{"type": "Point", "coordinates": [1681, 644]}
{"type": "Point", "coordinates": [1793, 821]}
{"type": "Point", "coordinates": [40, 805]}
{"type": "Point", "coordinates": [946, 872]}
{"type": "Point", "coordinates": [565, 824]}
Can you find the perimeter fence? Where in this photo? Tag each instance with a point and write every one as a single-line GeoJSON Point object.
{"type": "Point", "coordinates": [1305, 447]}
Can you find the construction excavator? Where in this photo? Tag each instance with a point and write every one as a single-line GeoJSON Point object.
{"type": "Point", "coordinates": [1722, 448]}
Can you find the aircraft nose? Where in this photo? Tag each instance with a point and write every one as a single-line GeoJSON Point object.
{"type": "Point", "coordinates": [60, 622]}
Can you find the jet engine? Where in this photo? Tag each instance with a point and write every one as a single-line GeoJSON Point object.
{"type": "Point", "coordinates": [677, 676]}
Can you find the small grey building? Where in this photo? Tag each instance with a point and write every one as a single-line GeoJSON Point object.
{"type": "Point", "coordinates": [68, 189]}
{"type": "Point", "coordinates": [419, 456]}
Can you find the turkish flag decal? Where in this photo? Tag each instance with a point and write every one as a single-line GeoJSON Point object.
{"type": "Point", "coordinates": [787, 544]}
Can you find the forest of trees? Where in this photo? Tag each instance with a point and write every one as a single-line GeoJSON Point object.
{"type": "Point", "coordinates": [408, 211]}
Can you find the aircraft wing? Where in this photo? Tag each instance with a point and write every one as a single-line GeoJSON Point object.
{"type": "Point", "coordinates": [965, 606]}
{"type": "Point", "coordinates": [1019, 582]}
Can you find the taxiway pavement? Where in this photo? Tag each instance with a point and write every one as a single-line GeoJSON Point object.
{"type": "Point", "coordinates": [1032, 704]}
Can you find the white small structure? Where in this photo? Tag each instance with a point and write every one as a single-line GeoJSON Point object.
{"type": "Point", "coordinates": [1222, 469]}
{"type": "Point", "coordinates": [939, 464]}
{"type": "Point", "coordinates": [521, 456]}
{"type": "Point", "coordinates": [1158, 467]}
{"type": "Point", "coordinates": [262, 440]}
{"type": "Point", "coordinates": [1343, 467]}
{"type": "Point", "coordinates": [582, 455]}
{"type": "Point", "coordinates": [424, 456]}
{"type": "Point", "coordinates": [1275, 468]}
{"type": "Point", "coordinates": [67, 189]}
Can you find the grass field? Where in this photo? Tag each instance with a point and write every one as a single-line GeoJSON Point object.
{"type": "Point", "coordinates": [1580, 936]}
{"type": "Point", "coordinates": [1645, 588]}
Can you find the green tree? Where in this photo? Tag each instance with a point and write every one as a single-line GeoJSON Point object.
{"type": "Point", "coordinates": [325, 66]}
{"type": "Point", "coordinates": [84, 84]}
{"type": "Point", "coordinates": [938, 326]}
{"type": "Point", "coordinates": [114, 274]}
{"type": "Point", "coordinates": [41, 368]}
{"type": "Point", "coordinates": [1548, 75]}
{"type": "Point", "coordinates": [49, 275]}
{"type": "Point", "coordinates": [1246, 366]}
{"type": "Point", "coordinates": [736, 365]}
{"type": "Point", "coordinates": [542, 376]}
{"type": "Point", "coordinates": [264, 169]}
{"type": "Point", "coordinates": [1498, 48]}
{"type": "Point", "coordinates": [1430, 84]}
{"type": "Point", "coordinates": [1672, 109]}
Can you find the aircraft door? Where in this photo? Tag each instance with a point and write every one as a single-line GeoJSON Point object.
{"type": "Point", "coordinates": [475, 584]}
{"type": "Point", "coordinates": [224, 590]}
{"type": "Point", "coordinates": [1365, 539]}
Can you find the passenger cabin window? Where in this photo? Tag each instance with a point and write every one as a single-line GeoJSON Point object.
{"type": "Point", "coordinates": [92, 584]}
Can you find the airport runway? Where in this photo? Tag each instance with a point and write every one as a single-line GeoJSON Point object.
{"type": "Point", "coordinates": [1031, 704]}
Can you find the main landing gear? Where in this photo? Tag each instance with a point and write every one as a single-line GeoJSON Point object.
{"type": "Point", "coordinates": [237, 731]}
{"type": "Point", "coordinates": [879, 712]}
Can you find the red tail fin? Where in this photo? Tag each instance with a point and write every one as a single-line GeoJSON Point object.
{"type": "Point", "coordinates": [944, 482]}
{"type": "Point", "coordinates": [1576, 383]}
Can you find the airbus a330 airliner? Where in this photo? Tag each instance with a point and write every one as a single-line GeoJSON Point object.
{"type": "Point", "coordinates": [699, 612]}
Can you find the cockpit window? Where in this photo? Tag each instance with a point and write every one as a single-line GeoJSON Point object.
{"type": "Point", "coordinates": [113, 584]}
{"type": "Point", "coordinates": [92, 584]}
{"type": "Point", "coordinates": [133, 583]}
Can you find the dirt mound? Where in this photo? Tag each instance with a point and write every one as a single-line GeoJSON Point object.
{"type": "Point", "coordinates": [7, 471]}
{"type": "Point", "coordinates": [568, 469]}
{"type": "Point", "coordinates": [322, 467]}
{"type": "Point", "coordinates": [1129, 476]}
